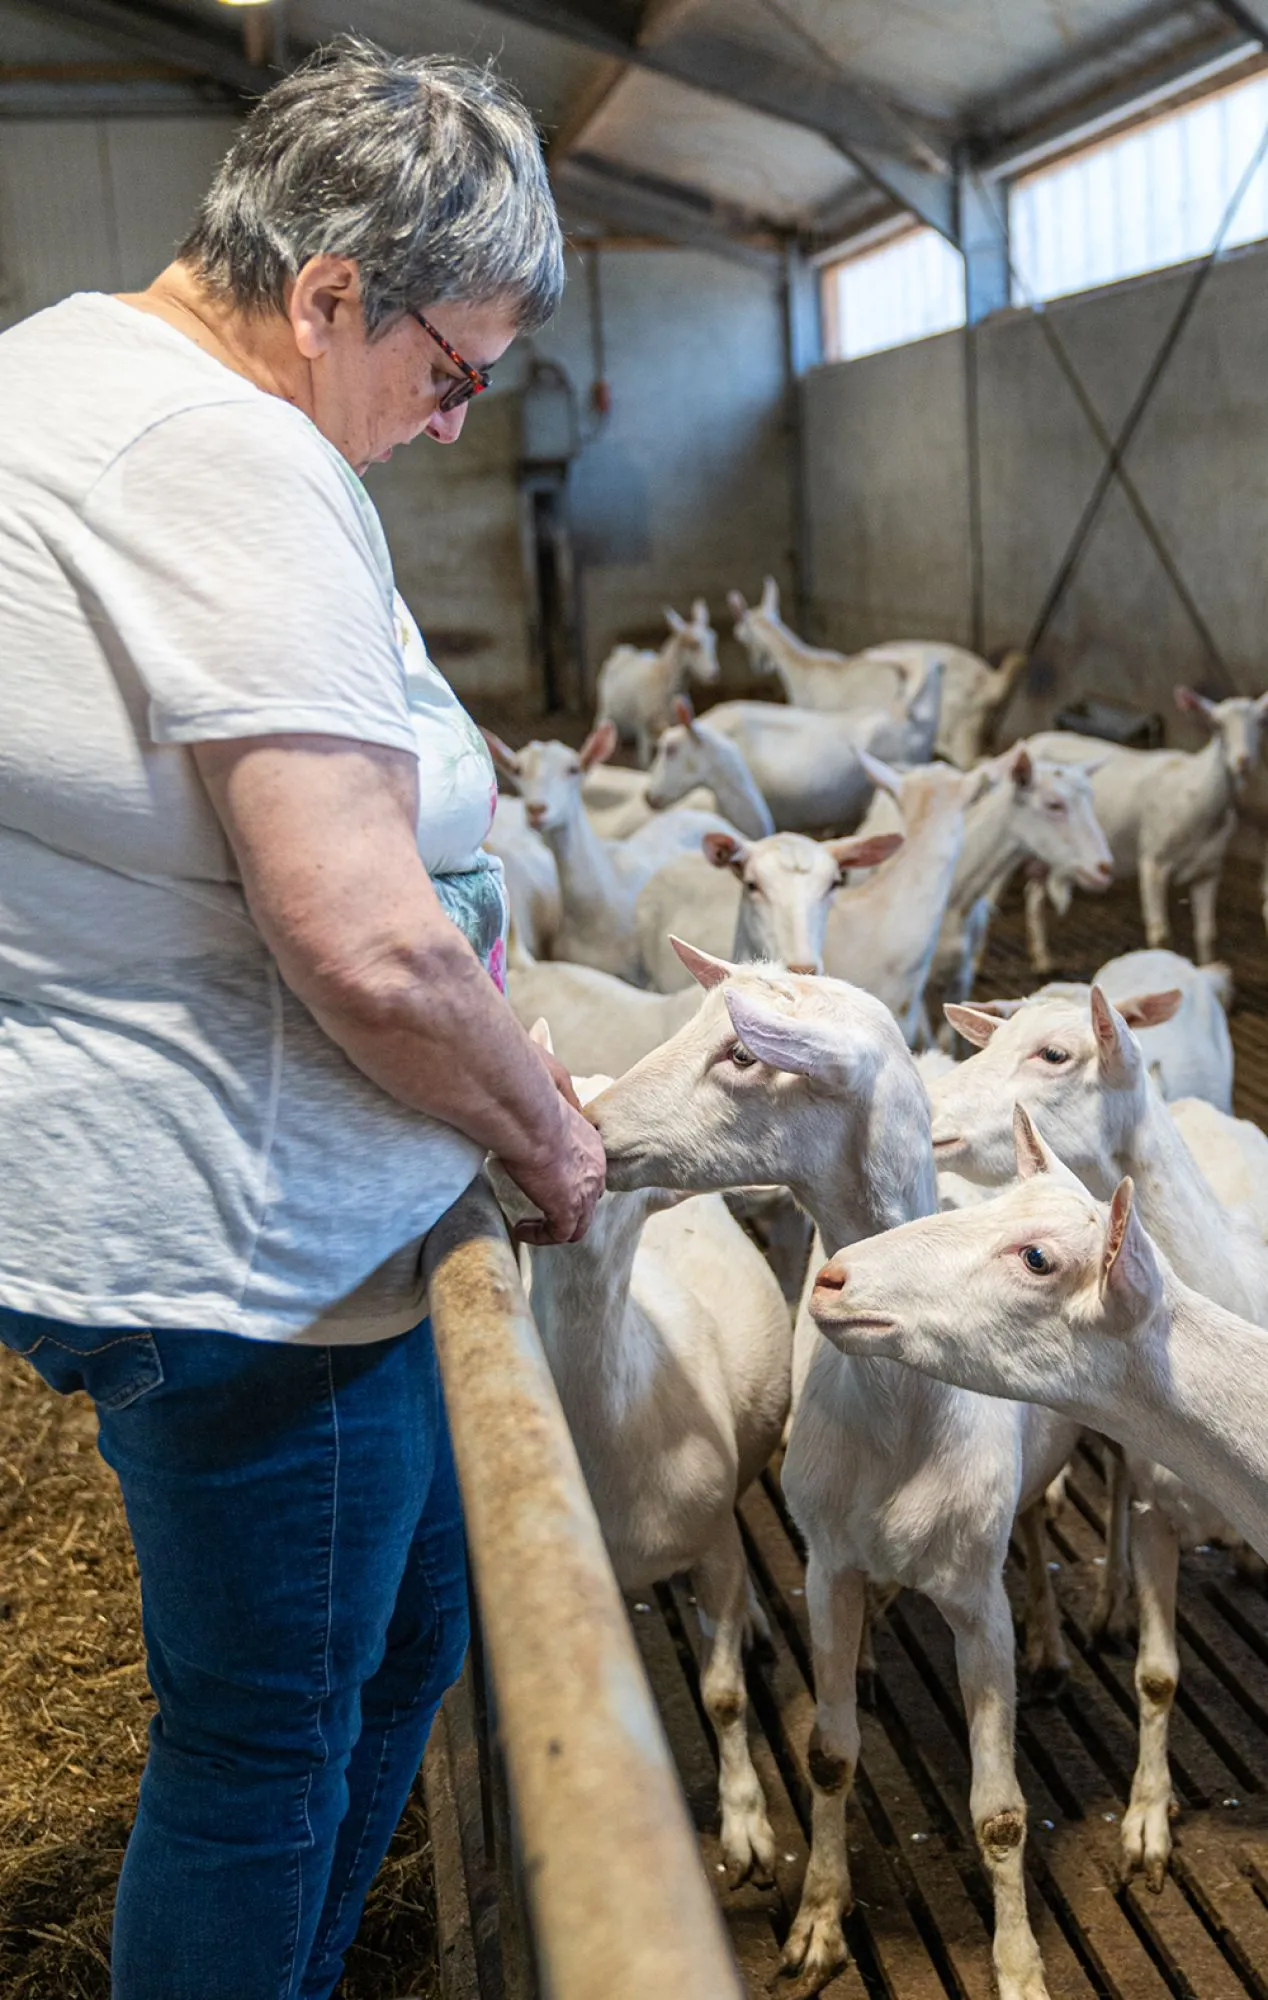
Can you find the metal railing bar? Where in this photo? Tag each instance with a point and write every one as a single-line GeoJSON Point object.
{"type": "Point", "coordinates": [617, 1894]}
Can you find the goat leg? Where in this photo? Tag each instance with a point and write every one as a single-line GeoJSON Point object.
{"type": "Point", "coordinates": [985, 1661]}
{"type": "Point", "coordinates": [721, 1583]}
{"type": "Point", "coordinates": [837, 1603]}
{"type": "Point", "coordinates": [1147, 1823]}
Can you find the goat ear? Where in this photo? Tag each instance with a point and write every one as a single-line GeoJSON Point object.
{"type": "Point", "coordinates": [539, 1035]}
{"type": "Point", "coordinates": [684, 713]}
{"type": "Point", "coordinates": [736, 605]}
{"type": "Point", "coordinates": [1033, 1156]}
{"type": "Point", "coordinates": [1114, 1047]}
{"type": "Point", "coordinates": [674, 619]}
{"type": "Point", "coordinates": [502, 754]}
{"type": "Point", "coordinates": [1192, 703]}
{"type": "Point", "coordinates": [700, 611]}
{"type": "Point", "coordinates": [973, 1023]}
{"type": "Point", "coordinates": [706, 970]}
{"type": "Point", "coordinates": [723, 850]}
{"type": "Point", "coordinates": [883, 776]}
{"type": "Point", "coordinates": [598, 746]}
{"type": "Point", "coordinates": [782, 1041]}
{"type": "Point", "coordinates": [1130, 1279]}
{"type": "Point", "coordinates": [1150, 1010]}
{"type": "Point", "coordinates": [1021, 768]}
{"type": "Point", "coordinates": [770, 596]}
{"type": "Point", "coordinates": [864, 851]}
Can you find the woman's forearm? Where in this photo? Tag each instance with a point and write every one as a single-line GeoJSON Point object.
{"type": "Point", "coordinates": [323, 831]}
{"type": "Point", "coordinates": [427, 1024]}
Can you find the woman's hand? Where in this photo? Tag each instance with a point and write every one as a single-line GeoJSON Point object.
{"type": "Point", "coordinates": [566, 1179]}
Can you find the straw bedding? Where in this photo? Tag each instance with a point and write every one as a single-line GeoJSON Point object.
{"type": "Point", "coordinates": [74, 1706]}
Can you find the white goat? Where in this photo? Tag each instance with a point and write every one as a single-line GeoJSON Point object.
{"type": "Point", "coordinates": [617, 800]}
{"type": "Point", "coordinates": [598, 1022]}
{"type": "Point", "coordinates": [691, 753]}
{"type": "Point", "coordinates": [806, 763]}
{"type": "Point", "coordinates": [668, 1339]}
{"type": "Point", "coordinates": [1168, 814]}
{"type": "Point", "coordinates": [772, 900]}
{"type": "Point", "coordinates": [636, 689]}
{"type": "Point", "coordinates": [973, 692]}
{"type": "Point", "coordinates": [599, 880]}
{"type": "Point", "coordinates": [1078, 1069]}
{"type": "Point", "coordinates": [882, 932]}
{"type": "Point", "coordinates": [807, 1082]}
{"type": "Point", "coordinates": [1031, 812]}
{"type": "Point", "coordinates": [532, 879]}
{"type": "Point", "coordinates": [1046, 1294]}
{"type": "Point", "coordinates": [1191, 1055]}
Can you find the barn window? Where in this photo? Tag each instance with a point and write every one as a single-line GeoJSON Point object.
{"type": "Point", "coordinates": [1144, 199]}
{"type": "Point", "coordinates": [904, 289]}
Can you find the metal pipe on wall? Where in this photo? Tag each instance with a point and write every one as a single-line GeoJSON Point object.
{"type": "Point", "coordinates": [620, 1904]}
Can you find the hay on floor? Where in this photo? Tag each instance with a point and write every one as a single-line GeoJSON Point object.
{"type": "Point", "coordinates": [74, 1707]}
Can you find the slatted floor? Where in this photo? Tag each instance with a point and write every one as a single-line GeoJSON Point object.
{"type": "Point", "coordinates": [921, 1925]}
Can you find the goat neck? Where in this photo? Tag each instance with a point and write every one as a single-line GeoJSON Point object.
{"type": "Point", "coordinates": [580, 1292]}
{"type": "Point", "coordinates": [1187, 1388]}
{"type": "Point", "coordinates": [880, 1172]}
{"type": "Point", "coordinates": [992, 847]}
{"type": "Point", "coordinates": [587, 879]}
{"type": "Point", "coordinates": [1179, 1208]}
{"type": "Point", "coordinates": [735, 789]}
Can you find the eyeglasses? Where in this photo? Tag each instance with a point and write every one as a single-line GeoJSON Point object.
{"type": "Point", "coordinates": [474, 380]}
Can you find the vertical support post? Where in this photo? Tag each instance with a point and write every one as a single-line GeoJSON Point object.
{"type": "Point", "coordinates": [982, 229]}
{"type": "Point", "coordinates": [803, 349]}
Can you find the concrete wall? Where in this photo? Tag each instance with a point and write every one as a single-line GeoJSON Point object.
{"type": "Point", "coordinates": [888, 491]}
{"type": "Point", "coordinates": [683, 490]}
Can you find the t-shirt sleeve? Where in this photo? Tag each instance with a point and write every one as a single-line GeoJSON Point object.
{"type": "Point", "coordinates": [232, 567]}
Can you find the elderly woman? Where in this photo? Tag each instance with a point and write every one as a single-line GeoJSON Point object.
{"type": "Point", "coordinates": [250, 1048]}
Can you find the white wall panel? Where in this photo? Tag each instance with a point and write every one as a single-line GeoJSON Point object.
{"type": "Point", "coordinates": [96, 204]}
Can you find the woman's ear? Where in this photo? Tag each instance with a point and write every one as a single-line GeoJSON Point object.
{"type": "Point", "coordinates": [325, 290]}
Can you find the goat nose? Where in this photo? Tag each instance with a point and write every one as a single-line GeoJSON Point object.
{"type": "Point", "coordinates": [832, 1278]}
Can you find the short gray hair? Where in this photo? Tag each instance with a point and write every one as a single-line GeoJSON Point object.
{"type": "Point", "coordinates": [427, 171]}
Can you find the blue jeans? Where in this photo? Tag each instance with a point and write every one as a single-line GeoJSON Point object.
{"type": "Point", "coordinates": [297, 1527]}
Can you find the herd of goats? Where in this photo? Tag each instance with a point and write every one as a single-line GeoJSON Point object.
{"type": "Point", "coordinates": [1066, 1229]}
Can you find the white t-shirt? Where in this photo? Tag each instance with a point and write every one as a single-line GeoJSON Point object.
{"type": "Point", "coordinates": [184, 557]}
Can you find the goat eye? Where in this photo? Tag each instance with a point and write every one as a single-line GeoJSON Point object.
{"type": "Point", "coordinates": [1051, 1055]}
{"type": "Point", "coordinates": [1057, 808]}
{"type": "Point", "coordinates": [742, 1058]}
{"type": "Point", "coordinates": [1035, 1259]}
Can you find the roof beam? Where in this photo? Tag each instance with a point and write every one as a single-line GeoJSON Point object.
{"type": "Point", "coordinates": [616, 197]}
{"type": "Point", "coordinates": [909, 167]}
{"type": "Point", "coordinates": [1105, 81]}
{"type": "Point", "coordinates": [172, 38]}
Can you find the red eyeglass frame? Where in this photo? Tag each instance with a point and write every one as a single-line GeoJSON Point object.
{"type": "Point", "coordinates": [475, 380]}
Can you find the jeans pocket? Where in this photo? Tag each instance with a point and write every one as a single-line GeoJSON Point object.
{"type": "Point", "coordinates": [116, 1365]}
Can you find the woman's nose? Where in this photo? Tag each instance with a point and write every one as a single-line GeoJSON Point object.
{"type": "Point", "coordinates": [445, 426]}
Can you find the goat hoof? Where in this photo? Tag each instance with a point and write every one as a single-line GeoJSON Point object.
{"type": "Point", "coordinates": [814, 1954]}
{"type": "Point", "coordinates": [748, 1848]}
{"type": "Point", "coordinates": [1147, 1844]}
{"type": "Point", "coordinates": [1113, 1633]}
{"type": "Point", "coordinates": [1047, 1683]}
{"type": "Point", "coordinates": [867, 1690]}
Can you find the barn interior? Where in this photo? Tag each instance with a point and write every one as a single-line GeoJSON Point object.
{"type": "Point", "coordinates": [950, 319]}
